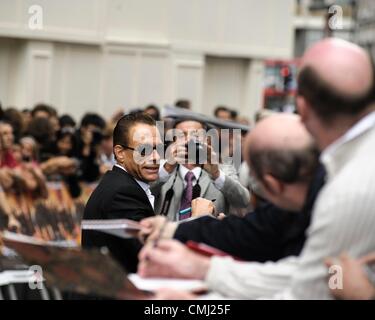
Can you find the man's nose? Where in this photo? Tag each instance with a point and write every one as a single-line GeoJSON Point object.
{"type": "Point", "coordinates": [155, 156]}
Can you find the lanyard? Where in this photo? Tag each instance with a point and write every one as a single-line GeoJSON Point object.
{"type": "Point", "coordinates": [170, 193]}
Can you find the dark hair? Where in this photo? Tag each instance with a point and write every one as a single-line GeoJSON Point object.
{"type": "Point", "coordinates": [44, 108]}
{"type": "Point", "coordinates": [286, 165]}
{"type": "Point", "coordinates": [156, 111]}
{"type": "Point", "coordinates": [61, 134]}
{"type": "Point", "coordinates": [183, 103]}
{"type": "Point", "coordinates": [136, 110]}
{"type": "Point", "coordinates": [66, 120]}
{"type": "Point", "coordinates": [123, 126]}
{"type": "Point", "coordinates": [93, 119]}
{"type": "Point", "coordinates": [221, 108]}
{"type": "Point", "coordinates": [326, 101]}
{"type": "Point", "coordinates": [14, 117]}
{"type": "Point", "coordinates": [41, 130]}
{"type": "Point", "coordinates": [233, 114]}
{"type": "Point", "coordinates": [180, 120]}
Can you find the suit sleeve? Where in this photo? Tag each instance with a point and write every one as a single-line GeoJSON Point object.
{"type": "Point", "coordinates": [255, 237]}
{"type": "Point", "coordinates": [129, 205]}
{"type": "Point", "coordinates": [234, 192]}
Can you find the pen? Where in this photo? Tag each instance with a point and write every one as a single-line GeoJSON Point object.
{"type": "Point", "coordinates": [187, 210]}
{"type": "Point", "coordinates": [207, 250]}
{"type": "Point", "coordinates": [160, 233]}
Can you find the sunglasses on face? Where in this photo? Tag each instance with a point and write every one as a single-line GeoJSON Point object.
{"type": "Point", "coordinates": [146, 150]}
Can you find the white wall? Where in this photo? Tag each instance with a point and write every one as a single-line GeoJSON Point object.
{"type": "Point", "coordinates": [100, 55]}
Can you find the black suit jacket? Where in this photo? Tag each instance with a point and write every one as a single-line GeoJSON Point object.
{"type": "Point", "coordinates": [118, 196]}
{"type": "Point", "coordinates": [266, 234]}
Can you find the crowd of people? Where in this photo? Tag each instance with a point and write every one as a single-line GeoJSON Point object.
{"type": "Point", "coordinates": [39, 148]}
{"type": "Point", "coordinates": [306, 180]}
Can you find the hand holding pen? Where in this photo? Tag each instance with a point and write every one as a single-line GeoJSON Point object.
{"type": "Point", "coordinates": [200, 207]}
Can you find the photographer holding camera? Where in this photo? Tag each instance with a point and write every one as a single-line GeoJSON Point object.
{"type": "Point", "coordinates": [191, 170]}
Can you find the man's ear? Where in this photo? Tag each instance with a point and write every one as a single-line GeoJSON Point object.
{"type": "Point", "coordinates": [302, 108]}
{"type": "Point", "coordinates": [119, 153]}
{"type": "Point", "coordinates": [273, 185]}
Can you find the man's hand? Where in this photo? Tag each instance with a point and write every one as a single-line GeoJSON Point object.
{"type": "Point", "coordinates": [356, 286]}
{"type": "Point", "coordinates": [212, 165]}
{"type": "Point", "coordinates": [172, 259]}
{"type": "Point", "coordinates": [202, 207]}
{"type": "Point", "coordinates": [175, 154]}
{"type": "Point", "coordinates": [151, 228]}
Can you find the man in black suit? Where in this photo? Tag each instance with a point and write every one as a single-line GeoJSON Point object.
{"type": "Point", "coordinates": [124, 192]}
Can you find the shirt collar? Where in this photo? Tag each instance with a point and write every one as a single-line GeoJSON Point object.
{"type": "Point", "coordinates": [196, 171]}
{"type": "Point", "coordinates": [362, 126]}
{"type": "Point", "coordinates": [145, 186]}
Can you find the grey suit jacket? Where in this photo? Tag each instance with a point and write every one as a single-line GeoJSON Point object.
{"type": "Point", "coordinates": [232, 193]}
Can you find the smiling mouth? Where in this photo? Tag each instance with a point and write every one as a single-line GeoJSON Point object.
{"type": "Point", "coordinates": [152, 168]}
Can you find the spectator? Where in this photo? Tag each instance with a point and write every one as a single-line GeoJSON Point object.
{"type": "Point", "coordinates": [223, 113]}
{"type": "Point", "coordinates": [42, 110]}
{"type": "Point", "coordinates": [55, 123]}
{"type": "Point", "coordinates": [183, 103]}
{"type": "Point", "coordinates": [29, 149]}
{"type": "Point", "coordinates": [26, 116]}
{"type": "Point", "coordinates": [89, 138]}
{"type": "Point", "coordinates": [7, 140]}
{"type": "Point", "coordinates": [42, 131]}
{"type": "Point", "coordinates": [65, 143]}
{"type": "Point", "coordinates": [107, 158]}
{"type": "Point", "coordinates": [67, 122]}
{"type": "Point", "coordinates": [153, 112]}
{"type": "Point", "coordinates": [14, 117]}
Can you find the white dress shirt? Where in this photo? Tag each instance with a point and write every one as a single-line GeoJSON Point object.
{"type": "Point", "coordinates": [164, 175]}
{"type": "Point", "coordinates": [145, 187]}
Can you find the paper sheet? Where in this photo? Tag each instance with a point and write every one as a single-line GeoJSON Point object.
{"type": "Point", "coordinates": [153, 284]}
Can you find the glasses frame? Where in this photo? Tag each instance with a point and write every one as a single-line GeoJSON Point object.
{"type": "Point", "coordinates": [135, 149]}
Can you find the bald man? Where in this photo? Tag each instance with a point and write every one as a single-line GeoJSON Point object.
{"type": "Point", "coordinates": [336, 96]}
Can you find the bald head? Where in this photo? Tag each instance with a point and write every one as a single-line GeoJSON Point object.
{"type": "Point", "coordinates": [280, 145]}
{"type": "Point", "coordinates": [336, 78]}
{"type": "Point", "coordinates": [279, 131]}
{"type": "Point", "coordinates": [344, 65]}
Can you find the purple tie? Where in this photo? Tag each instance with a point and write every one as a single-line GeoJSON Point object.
{"type": "Point", "coordinates": [187, 195]}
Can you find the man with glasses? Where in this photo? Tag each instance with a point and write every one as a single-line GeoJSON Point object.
{"type": "Point", "coordinates": [124, 191]}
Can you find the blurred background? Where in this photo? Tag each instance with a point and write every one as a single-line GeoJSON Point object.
{"type": "Point", "coordinates": [105, 55]}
